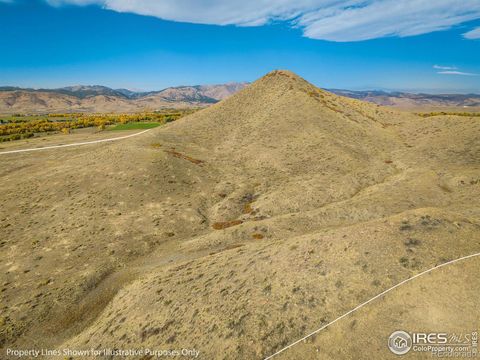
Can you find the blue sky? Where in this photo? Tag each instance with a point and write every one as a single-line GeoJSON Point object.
{"type": "Point", "coordinates": [147, 45]}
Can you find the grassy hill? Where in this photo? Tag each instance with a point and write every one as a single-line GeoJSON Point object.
{"type": "Point", "coordinates": [244, 226]}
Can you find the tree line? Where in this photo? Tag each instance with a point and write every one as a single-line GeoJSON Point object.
{"type": "Point", "coordinates": [26, 126]}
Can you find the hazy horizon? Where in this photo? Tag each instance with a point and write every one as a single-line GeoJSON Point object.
{"type": "Point", "coordinates": [386, 90]}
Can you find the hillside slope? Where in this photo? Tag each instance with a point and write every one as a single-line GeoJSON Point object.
{"type": "Point", "coordinates": [244, 226]}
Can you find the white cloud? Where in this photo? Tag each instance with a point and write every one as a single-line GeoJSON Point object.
{"type": "Point", "coordinates": [334, 20]}
{"type": "Point", "coordinates": [472, 34]}
{"type": "Point", "coordinates": [440, 67]}
{"type": "Point", "coordinates": [382, 18]}
{"type": "Point", "coordinates": [452, 72]}
{"type": "Point", "coordinates": [215, 12]}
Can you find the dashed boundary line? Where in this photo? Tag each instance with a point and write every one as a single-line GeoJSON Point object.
{"type": "Point", "coordinates": [74, 144]}
{"type": "Point", "coordinates": [369, 301]}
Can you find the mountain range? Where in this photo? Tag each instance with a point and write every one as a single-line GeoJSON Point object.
{"type": "Point", "coordinates": [97, 98]}
{"type": "Point", "coordinates": [207, 93]}
{"type": "Point", "coordinates": [412, 100]}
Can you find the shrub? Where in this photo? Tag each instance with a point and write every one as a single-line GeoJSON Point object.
{"type": "Point", "coordinates": [226, 224]}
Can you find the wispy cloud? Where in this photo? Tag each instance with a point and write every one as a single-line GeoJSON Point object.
{"type": "Point", "coordinates": [334, 20]}
{"type": "Point", "coordinates": [453, 72]}
{"type": "Point", "coordinates": [472, 34]}
{"type": "Point", "coordinates": [440, 67]}
{"type": "Point", "coordinates": [375, 19]}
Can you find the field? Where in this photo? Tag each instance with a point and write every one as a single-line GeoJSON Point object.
{"type": "Point", "coordinates": [135, 125]}
{"type": "Point", "coordinates": [16, 127]}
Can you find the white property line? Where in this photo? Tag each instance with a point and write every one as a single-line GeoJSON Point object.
{"type": "Point", "coordinates": [369, 301]}
{"type": "Point", "coordinates": [74, 144]}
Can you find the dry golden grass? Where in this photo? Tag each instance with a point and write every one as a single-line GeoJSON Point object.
{"type": "Point", "coordinates": [328, 206]}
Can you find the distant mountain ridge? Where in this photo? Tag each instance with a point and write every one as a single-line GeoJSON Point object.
{"type": "Point", "coordinates": [97, 98]}
{"type": "Point", "coordinates": [80, 91]}
{"type": "Point", "coordinates": [207, 93]}
{"type": "Point", "coordinates": [412, 100]}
